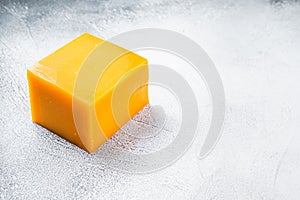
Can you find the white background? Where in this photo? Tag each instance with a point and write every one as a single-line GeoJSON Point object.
{"type": "Point", "coordinates": [255, 46]}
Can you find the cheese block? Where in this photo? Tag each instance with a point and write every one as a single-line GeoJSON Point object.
{"type": "Point", "coordinates": [87, 90]}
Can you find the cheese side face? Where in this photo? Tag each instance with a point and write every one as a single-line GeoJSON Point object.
{"type": "Point", "coordinates": [69, 100]}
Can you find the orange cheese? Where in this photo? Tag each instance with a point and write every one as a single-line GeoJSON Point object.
{"type": "Point", "coordinates": [82, 93]}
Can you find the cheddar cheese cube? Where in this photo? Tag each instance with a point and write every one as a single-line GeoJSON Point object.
{"type": "Point", "coordinates": [69, 99]}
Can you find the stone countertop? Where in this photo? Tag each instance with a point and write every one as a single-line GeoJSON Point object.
{"type": "Point", "coordinates": [255, 46]}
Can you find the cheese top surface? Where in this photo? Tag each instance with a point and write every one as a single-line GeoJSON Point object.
{"type": "Point", "coordinates": [64, 65]}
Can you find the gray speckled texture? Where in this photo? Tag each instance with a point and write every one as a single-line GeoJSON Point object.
{"type": "Point", "coordinates": [255, 46]}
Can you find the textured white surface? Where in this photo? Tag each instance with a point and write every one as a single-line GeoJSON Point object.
{"type": "Point", "coordinates": [255, 46]}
